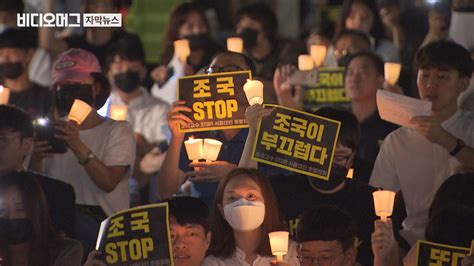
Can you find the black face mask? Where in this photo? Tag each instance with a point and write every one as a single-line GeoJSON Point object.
{"type": "Point", "coordinates": [11, 70]}
{"type": "Point", "coordinates": [198, 41]}
{"type": "Point", "coordinates": [16, 231]}
{"type": "Point", "coordinates": [127, 81]}
{"type": "Point", "coordinates": [66, 94]}
{"type": "Point", "coordinates": [344, 60]}
{"type": "Point", "coordinates": [337, 176]}
{"type": "Point", "coordinates": [249, 36]}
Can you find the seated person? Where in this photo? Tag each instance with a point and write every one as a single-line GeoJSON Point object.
{"type": "Point", "coordinates": [246, 210]}
{"type": "Point", "coordinates": [176, 168]}
{"type": "Point", "coordinates": [326, 235]}
{"type": "Point", "coordinates": [297, 192]}
{"type": "Point", "coordinates": [27, 236]}
{"type": "Point", "coordinates": [16, 142]}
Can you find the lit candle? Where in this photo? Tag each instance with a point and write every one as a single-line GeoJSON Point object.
{"type": "Point", "coordinates": [350, 173]}
{"type": "Point", "coordinates": [279, 244]}
{"type": "Point", "coordinates": [254, 91]}
{"type": "Point", "coordinates": [181, 48]}
{"type": "Point", "coordinates": [392, 72]}
{"type": "Point", "coordinates": [79, 111]}
{"type": "Point", "coordinates": [235, 44]}
{"type": "Point", "coordinates": [318, 53]}
{"type": "Point", "coordinates": [305, 62]}
{"type": "Point", "coordinates": [211, 149]}
{"type": "Point", "coordinates": [383, 202]}
{"type": "Point", "coordinates": [4, 95]}
{"type": "Point", "coordinates": [118, 112]}
{"type": "Point", "coordinates": [194, 149]}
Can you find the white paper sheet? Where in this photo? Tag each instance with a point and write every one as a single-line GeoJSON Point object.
{"type": "Point", "coordinates": [399, 109]}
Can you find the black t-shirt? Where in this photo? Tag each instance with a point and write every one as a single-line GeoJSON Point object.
{"type": "Point", "coordinates": [61, 200]}
{"type": "Point", "coordinates": [372, 133]}
{"type": "Point", "coordinates": [295, 196]}
{"type": "Point", "coordinates": [36, 100]}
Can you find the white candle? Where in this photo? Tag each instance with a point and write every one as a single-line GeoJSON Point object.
{"type": "Point", "coordinates": [392, 72]}
{"type": "Point", "coordinates": [79, 111]}
{"type": "Point", "coordinates": [194, 149]}
{"type": "Point", "coordinates": [4, 95]}
{"type": "Point", "coordinates": [318, 53]}
{"type": "Point", "coordinates": [383, 203]}
{"type": "Point", "coordinates": [254, 91]}
{"type": "Point", "coordinates": [305, 62]}
{"type": "Point", "coordinates": [235, 44]}
{"type": "Point", "coordinates": [118, 112]}
{"type": "Point", "coordinates": [279, 244]}
{"type": "Point", "coordinates": [211, 149]}
{"type": "Point", "coordinates": [181, 48]}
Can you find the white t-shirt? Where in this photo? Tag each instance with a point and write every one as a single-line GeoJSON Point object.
{"type": "Point", "coordinates": [410, 162]}
{"type": "Point", "coordinates": [238, 259]}
{"type": "Point", "coordinates": [113, 143]}
{"type": "Point", "coordinates": [169, 91]}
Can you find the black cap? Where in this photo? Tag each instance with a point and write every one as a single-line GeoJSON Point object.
{"type": "Point", "coordinates": [18, 38]}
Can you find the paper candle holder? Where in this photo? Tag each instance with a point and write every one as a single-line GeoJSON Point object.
{"type": "Point", "coordinates": [182, 50]}
{"type": "Point", "coordinates": [4, 95]}
{"type": "Point", "coordinates": [254, 91]}
{"type": "Point", "coordinates": [305, 62]}
{"type": "Point", "coordinates": [118, 112]}
{"type": "Point", "coordinates": [211, 149]}
{"type": "Point", "coordinates": [318, 53]}
{"type": "Point", "coordinates": [392, 72]}
{"type": "Point", "coordinates": [207, 149]}
{"type": "Point", "coordinates": [350, 173]}
{"type": "Point", "coordinates": [235, 44]}
{"type": "Point", "coordinates": [383, 203]}
{"type": "Point", "coordinates": [194, 149]}
{"type": "Point", "coordinates": [79, 111]}
{"type": "Point", "coordinates": [279, 244]}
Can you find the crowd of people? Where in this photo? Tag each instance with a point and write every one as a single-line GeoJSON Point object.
{"type": "Point", "coordinates": [59, 179]}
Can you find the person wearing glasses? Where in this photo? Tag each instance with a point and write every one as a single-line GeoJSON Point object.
{"type": "Point", "coordinates": [176, 168]}
{"type": "Point", "coordinates": [298, 193]}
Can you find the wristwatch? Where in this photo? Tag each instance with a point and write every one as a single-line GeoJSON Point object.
{"type": "Point", "coordinates": [85, 160]}
{"type": "Point", "coordinates": [459, 145]}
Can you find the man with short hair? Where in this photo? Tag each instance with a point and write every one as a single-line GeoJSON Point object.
{"type": "Point", "coordinates": [326, 235]}
{"type": "Point", "coordinates": [418, 159]}
{"type": "Point", "coordinates": [16, 142]}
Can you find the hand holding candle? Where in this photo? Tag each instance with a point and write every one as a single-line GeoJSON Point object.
{"type": "Point", "coordinates": [383, 203]}
{"type": "Point", "coordinates": [279, 244]}
{"type": "Point", "coordinates": [79, 111]}
{"type": "Point", "coordinates": [318, 53]}
{"type": "Point", "coordinates": [4, 95]}
{"type": "Point", "coordinates": [181, 48]}
{"type": "Point", "coordinates": [392, 72]}
{"type": "Point", "coordinates": [235, 44]}
{"type": "Point", "coordinates": [305, 62]}
{"type": "Point", "coordinates": [254, 91]}
{"type": "Point", "coordinates": [118, 112]}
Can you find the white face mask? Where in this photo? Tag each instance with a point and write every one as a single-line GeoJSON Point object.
{"type": "Point", "coordinates": [244, 215]}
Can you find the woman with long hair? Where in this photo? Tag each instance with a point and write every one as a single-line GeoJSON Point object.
{"type": "Point", "coordinates": [245, 211]}
{"type": "Point", "coordinates": [26, 233]}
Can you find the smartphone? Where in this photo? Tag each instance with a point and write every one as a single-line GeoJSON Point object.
{"type": "Point", "coordinates": [304, 78]}
{"type": "Point", "coordinates": [44, 129]}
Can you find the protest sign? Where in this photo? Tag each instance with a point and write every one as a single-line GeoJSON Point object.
{"type": "Point", "coordinates": [434, 254]}
{"type": "Point", "coordinates": [217, 100]}
{"type": "Point", "coordinates": [328, 90]}
{"type": "Point", "coordinates": [137, 236]}
{"type": "Point", "coordinates": [296, 141]}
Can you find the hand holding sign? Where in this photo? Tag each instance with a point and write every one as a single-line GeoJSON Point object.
{"type": "Point", "coordinates": [254, 114]}
{"type": "Point", "coordinates": [176, 118]}
{"type": "Point", "coordinates": [430, 127]}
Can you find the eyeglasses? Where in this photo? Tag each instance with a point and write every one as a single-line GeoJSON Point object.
{"type": "Point", "coordinates": [228, 68]}
{"type": "Point", "coordinates": [341, 53]}
{"type": "Point", "coordinates": [321, 261]}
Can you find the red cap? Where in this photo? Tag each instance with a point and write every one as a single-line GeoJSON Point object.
{"type": "Point", "coordinates": [74, 65]}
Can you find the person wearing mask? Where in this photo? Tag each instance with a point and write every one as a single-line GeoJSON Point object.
{"type": "Point", "coordinates": [350, 195]}
{"type": "Point", "coordinates": [176, 168]}
{"type": "Point", "coordinates": [26, 233]}
{"type": "Point", "coordinates": [17, 47]}
{"type": "Point", "coordinates": [246, 210]}
{"type": "Point", "coordinates": [146, 114]}
{"type": "Point", "coordinates": [186, 21]}
{"type": "Point", "coordinates": [101, 152]}
{"type": "Point", "coordinates": [189, 231]}
{"type": "Point", "coordinates": [417, 159]}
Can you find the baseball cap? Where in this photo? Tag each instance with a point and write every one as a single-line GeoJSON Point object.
{"type": "Point", "coordinates": [74, 65]}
